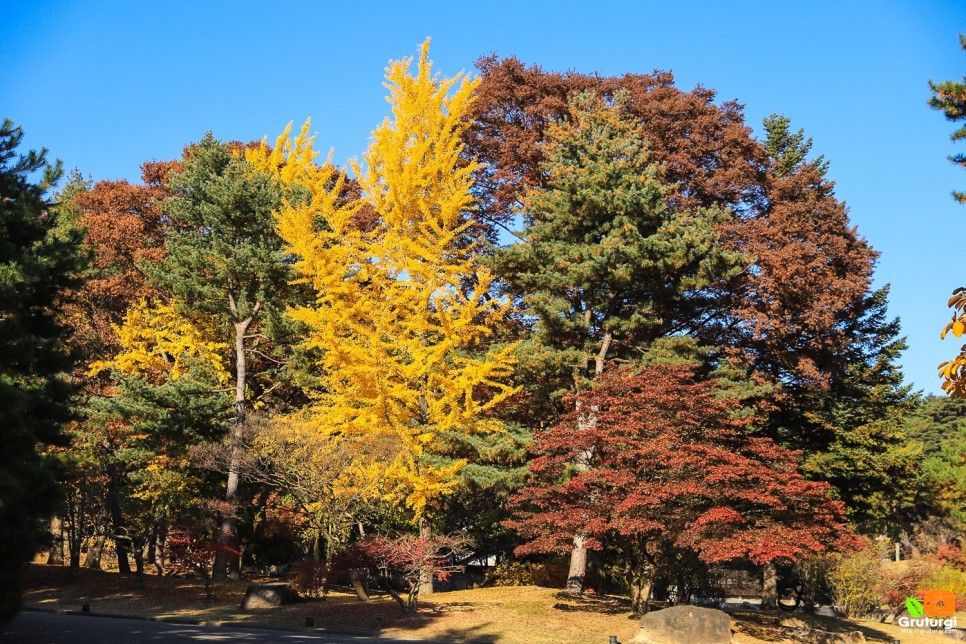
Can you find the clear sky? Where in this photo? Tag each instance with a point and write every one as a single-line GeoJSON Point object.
{"type": "Point", "coordinates": [108, 85]}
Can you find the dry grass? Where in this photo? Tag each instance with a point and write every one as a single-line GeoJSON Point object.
{"type": "Point", "coordinates": [518, 614]}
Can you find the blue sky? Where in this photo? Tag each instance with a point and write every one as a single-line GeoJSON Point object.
{"type": "Point", "coordinates": [108, 85]}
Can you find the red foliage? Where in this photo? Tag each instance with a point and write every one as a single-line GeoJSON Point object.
{"type": "Point", "coordinates": [811, 271]}
{"type": "Point", "coordinates": [952, 555]}
{"type": "Point", "coordinates": [668, 462]}
{"type": "Point", "coordinates": [195, 552]}
{"type": "Point", "coordinates": [124, 228]}
{"type": "Point", "coordinates": [410, 557]}
{"type": "Point", "coordinates": [707, 151]}
{"type": "Point", "coordinates": [309, 578]}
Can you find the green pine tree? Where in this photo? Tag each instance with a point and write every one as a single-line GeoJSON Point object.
{"type": "Point", "coordinates": [949, 97]}
{"type": "Point", "coordinates": [146, 456]}
{"type": "Point", "coordinates": [605, 266]}
{"type": "Point", "coordinates": [860, 443]}
{"type": "Point", "coordinates": [225, 260]}
{"type": "Point", "coordinates": [37, 267]}
{"type": "Point", "coordinates": [939, 426]}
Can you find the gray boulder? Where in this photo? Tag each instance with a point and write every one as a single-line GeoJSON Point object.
{"type": "Point", "coordinates": [268, 596]}
{"type": "Point", "coordinates": [685, 625]}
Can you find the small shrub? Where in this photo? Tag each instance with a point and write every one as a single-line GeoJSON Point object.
{"type": "Point", "coordinates": [856, 582]}
{"type": "Point", "coordinates": [522, 573]}
{"type": "Point", "coordinates": [900, 582]}
{"type": "Point", "coordinates": [309, 578]}
{"type": "Point", "coordinates": [812, 578]}
{"type": "Point", "coordinates": [947, 578]}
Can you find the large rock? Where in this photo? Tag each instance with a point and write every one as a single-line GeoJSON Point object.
{"type": "Point", "coordinates": [685, 625]}
{"type": "Point", "coordinates": [268, 596]}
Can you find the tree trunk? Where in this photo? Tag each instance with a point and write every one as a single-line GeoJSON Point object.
{"type": "Point", "coordinates": [578, 566]}
{"type": "Point", "coordinates": [162, 536]}
{"type": "Point", "coordinates": [641, 594]}
{"type": "Point", "coordinates": [75, 539]}
{"type": "Point", "coordinates": [93, 560]}
{"type": "Point", "coordinates": [769, 587]}
{"type": "Point", "coordinates": [387, 584]}
{"type": "Point", "coordinates": [226, 560]}
{"type": "Point", "coordinates": [426, 577]}
{"type": "Point", "coordinates": [122, 541]}
{"type": "Point", "coordinates": [55, 556]}
{"type": "Point", "coordinates": [355, 577]}
{"type": "Point", "coordinates": [137, 548]}
{"type": "Point", "coordinates": [578, 556]}
{"type": "Point", "coordinates": [152, 557]}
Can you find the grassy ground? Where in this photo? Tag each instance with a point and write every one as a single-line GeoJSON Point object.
{"type": "Point", "coordinates": [513, 615]}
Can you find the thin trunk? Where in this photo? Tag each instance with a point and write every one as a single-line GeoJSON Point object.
{"type": "Point", "coordinates": [769, 587]}
{"type": "Point", "coordinates": [55, 556]}
{"type": "Point", "coordinates": [75, 538]}
{"type": "Point", "coordinates": [121, 539]}
{"type": "Point", "coordinates": [426, 577]}
{"type": "Point", "coordinates": [137, 548]}
{"type": "Point", "coordinates": [226, 560]}
{"type": "Point", "coordinates": [387, 584]}
{"type": "Point", "coordinates": [162, 536]}
{"type": "Point", "coordinates": [152, 558]}
{"type": "Point", "coordinates": [909, 537]}
{"type": "Point", "coordinates": [72, 526]}
{"type": "Point", "coordinates": [601, 357]}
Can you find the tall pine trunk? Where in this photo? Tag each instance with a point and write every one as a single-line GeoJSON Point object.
{"type": "Point", "coordinates": [578, 556]}
{"type": "Point", "coordinates": [226, 559]}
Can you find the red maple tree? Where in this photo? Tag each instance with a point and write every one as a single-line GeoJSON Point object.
{"type": "Point", "coordinates": [670, 466]}
{"type": "Point", "coordinates": [411, 557]}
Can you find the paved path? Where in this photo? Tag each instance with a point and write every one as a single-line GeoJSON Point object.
{"type": "Point", "coordinates": [51, 628]}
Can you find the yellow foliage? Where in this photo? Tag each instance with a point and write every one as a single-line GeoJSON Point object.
{"type": "Point", "coordinates": [402, 310]}
{"type": "Point", "coordinates": [953, 372]}
{"type": "Point", "coordinates": [157, 339]}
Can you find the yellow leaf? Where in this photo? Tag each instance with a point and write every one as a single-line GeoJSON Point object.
{"type": "Point", "coordinates": [159, 340]}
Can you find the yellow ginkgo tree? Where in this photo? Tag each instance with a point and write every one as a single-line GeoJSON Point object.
{"type": "Point", "coordinates": [402, 313]}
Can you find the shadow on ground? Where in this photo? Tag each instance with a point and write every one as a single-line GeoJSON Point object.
{"type": "Point", "coordinates": [601, 604]}
{"type": "Point", "coordinates": [767, 627]}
